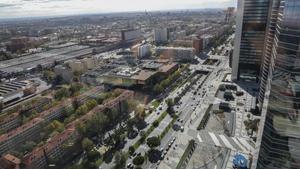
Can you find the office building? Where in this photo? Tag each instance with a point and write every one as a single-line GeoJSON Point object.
{"type": "Point", "coordinates": [131, 35]}
{"type": "Point", "coordinates": [279, 136]}
{"type": "Point", "coordinates": [229, 14]}
{"type": "Point", "coordinates": [144, 50]}
{"type": "Point", "coordinates": [161, 35]}
{"type": "Point", "coordinates": [249, 39]}
{"type": "Point", "coordinates": [178, 54]}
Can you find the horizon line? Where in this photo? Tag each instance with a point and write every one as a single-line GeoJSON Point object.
{"type": "Point", "coordinates": [99, 13]}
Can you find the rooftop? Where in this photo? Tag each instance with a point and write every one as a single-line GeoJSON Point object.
{"type": "Point", "coordinates": [9, 162]}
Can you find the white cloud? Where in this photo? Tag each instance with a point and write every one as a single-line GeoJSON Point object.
{"type": "Point", "coordinates": [21, 8]}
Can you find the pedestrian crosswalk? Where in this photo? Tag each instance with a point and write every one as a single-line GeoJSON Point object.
{"type": "Point", "coordinates": [232, 143]}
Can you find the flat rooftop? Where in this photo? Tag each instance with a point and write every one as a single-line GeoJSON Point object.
{"type": "Point", "coordinates": [10, 87]}
{"type": "Point", "coordinates": [143, 75]}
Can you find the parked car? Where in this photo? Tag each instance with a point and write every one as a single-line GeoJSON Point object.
{"type": "Point", "coordinates": [130, 166]}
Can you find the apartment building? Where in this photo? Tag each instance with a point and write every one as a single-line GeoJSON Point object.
{"type": "Point", "coordinates": [15, 138]}
{"type": "Point", "coordinates": [54, 148]}
{"type": "Point", "coordinates": [40, 157]}
{"type": "Point", "coordinates": [10, 122]}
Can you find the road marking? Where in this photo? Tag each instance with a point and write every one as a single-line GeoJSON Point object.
{"type": "Point", "coordinates": [226, 142]}
{"type": "Point", "coordinates": [199, 138]}
{"type": "Point", "coordinates": [246, 144]}
{"type": "Point", "coordinates": [239, 144]}
{"type": "Point", "coordinates": [215, 139]}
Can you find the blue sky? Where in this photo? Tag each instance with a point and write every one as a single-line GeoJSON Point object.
{"type": "Point", "coordinates": [26, 8]}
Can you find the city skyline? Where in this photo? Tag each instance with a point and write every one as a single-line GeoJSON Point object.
{"type": "Point", "coordinates": [40, 8]}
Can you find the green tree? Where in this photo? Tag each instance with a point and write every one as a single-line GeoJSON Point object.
{"type": "Point", "coordinates": [55, 126]}
{"type": "Point", "coordinates": [97, 124]}
{"type": "Point", "coordinates": [28, 146]}
{"type": "Point", "coordinates": [75, 88]}
{"type": "Point", "coordinates": [112, 114]}
{"type": "Point", "coordinates": [61, 93]}
{"type": "Point", "coordinates": [87, 144]}
{"type": "Point", "coordinates": [93, 155]}
{"type": "Point", "coordinates": [153, 142]}
{"type": "Point", "coordinates": [90, 104]}
{"type": "Point", "coordinates": [131, 150]}
{"type": "Point", "coordinates": [138, 160]}
{"type": "Point", "coordinates": [158, 88]}
{"type": "Point", "coordinates": [120, 160]}
{"type": "Point", "coordinates": [48, 76]}
{"type": "Point", "coordinates": [82, 110]}
{"type": "Point", "coordinates": [170, 102]}
{"type": "Point", "coordinates": [155, 123]}
{"type": "Point", "coordinates": [81, 128]}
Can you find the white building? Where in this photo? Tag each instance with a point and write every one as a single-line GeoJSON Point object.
{"type": "Point", "coordinates": [144, 50]}
{"type": "Point", "coordinates": [67, 70]}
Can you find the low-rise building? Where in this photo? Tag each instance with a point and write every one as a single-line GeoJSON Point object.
{"type": "Point", "coordinates": [14, 90]}
{"type": "Point", "coordinates": [125, 76]}
{"type": "Point", "coordinates": [67, 70]}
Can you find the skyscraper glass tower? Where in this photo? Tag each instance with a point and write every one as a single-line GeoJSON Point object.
{"type": "Point", "coordinates": [252, 17]}
{"type": "Point", "coordinates": [279, 138]}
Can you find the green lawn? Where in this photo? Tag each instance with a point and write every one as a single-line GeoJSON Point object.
{"type": "Point", "coordinates": [155, 103]}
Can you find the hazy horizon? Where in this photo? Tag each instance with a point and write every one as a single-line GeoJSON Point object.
{"type": "Point", "coordinates": [43, 8]}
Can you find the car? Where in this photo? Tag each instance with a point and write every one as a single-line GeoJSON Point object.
{"type": "Point", "coordinates": [158, 113]}
{"type": "Point", "coordinates": [169, 145]}
{"type": "Point", "coordinates": [182, 128]}
{"type": "Point", "coordinates": [174, 138]}
{"type": "Point", "coordinates": [134, 154]}
{"type": "Point", "coordinates": [160, 108]}
{"type": "Point", "coordinates": [161, 149]}
{"type": "Point", "coordinates": [129, 165]}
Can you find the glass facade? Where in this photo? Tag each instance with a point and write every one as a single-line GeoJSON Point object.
{"type": "Point", "coordinates": [280, 142]}
{"type": "Point", "coordinates": [255, 17]}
